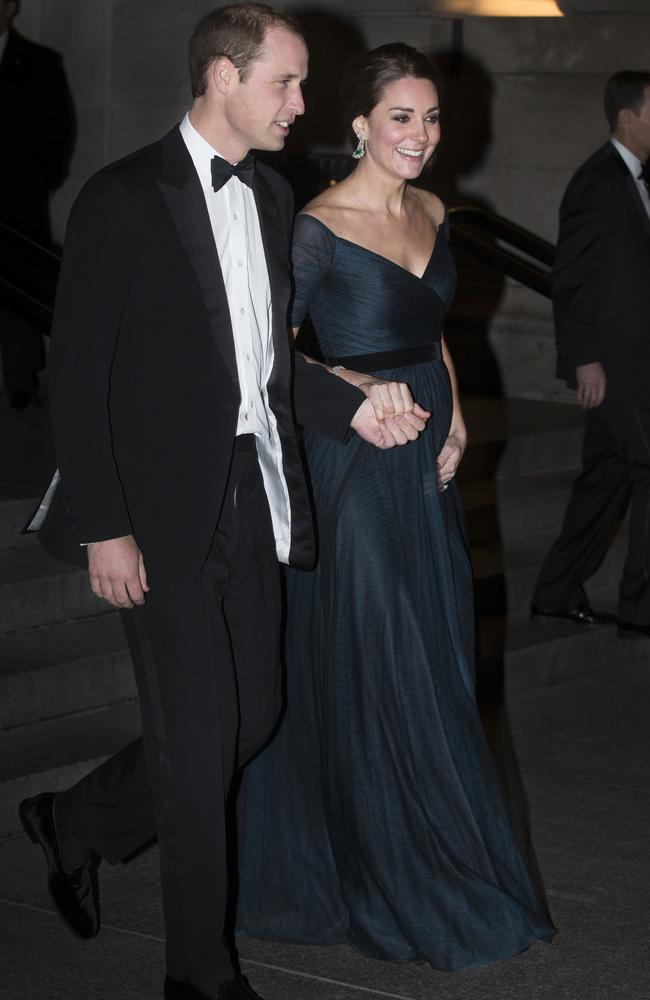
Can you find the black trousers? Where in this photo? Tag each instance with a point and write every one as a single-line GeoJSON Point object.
{"type": "Point", "coordinates": [616, 454]}
{"type": "Point", "coordinates": [207, 669]}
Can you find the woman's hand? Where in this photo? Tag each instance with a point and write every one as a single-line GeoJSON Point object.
{"type": "Point", "coordinates": [400, 418]}
{"type": "Point", "coordinates": [450, 456]}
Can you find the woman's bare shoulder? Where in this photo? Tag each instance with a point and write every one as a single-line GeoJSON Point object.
{"type": "Point", "coordinates": [329, 207]}
{"type": "Point", "coordinates": [431, 205]}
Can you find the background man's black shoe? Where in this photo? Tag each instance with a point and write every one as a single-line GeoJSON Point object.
{"type": "Point", "coordinates": [580, 615]}
{"type": "Point", "coordinates": [627, 630]}
{"type": "Point", "coordinates": [73, 892]}
{"type": "Point", "coordinates": [236, 988]}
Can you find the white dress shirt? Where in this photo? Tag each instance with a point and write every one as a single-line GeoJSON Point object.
{"type": "Point", "coordinates": [238, 240]}
{"type": "Point", "coordinates": [635, 166]}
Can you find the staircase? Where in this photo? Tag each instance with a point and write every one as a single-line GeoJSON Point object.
{"type": "Point", "coordinates": [67, 696]}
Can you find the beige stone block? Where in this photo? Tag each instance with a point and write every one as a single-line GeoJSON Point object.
{"type": "Point", "coordinates": [80, 30]}
{"type": "Point", "coordinates": [577, 45]}
{"type": "Point", "coordinates": [91, 152]}
{"type": "Point", "coordinates": [426, 33]}
{"type": "Point", "coordinates": [546, 122]}
{"type": "Point", "coordinates": [531, 198]}
{"type": "Point", "coordinates": [132, 126]}
{"type": "Point", "coordinates": [149, 50]}
{"type": "Point", "coordinates": [28, 22]}
{"type": "Point", "coordinates": [525, 350]}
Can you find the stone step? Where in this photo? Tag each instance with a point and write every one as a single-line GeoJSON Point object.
{"type": "Point", "coordinates": [515, 436]}
{"type": "Point", "coordinates": [37, 590]}
{"type": "Point", "coordinates": [530, 654]}
{"type": "Point", "coordinates": [505, 573]}
{"type": "Point", "coordinates": [52, 755]}
{"type": "Point", "coordinates": [85, 664]}
{"type": "Point", "coordinates": [64, 669]}
{"type": "Point", "coordinates": [516, 506]}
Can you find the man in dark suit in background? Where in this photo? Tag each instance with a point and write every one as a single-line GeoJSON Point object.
{"type": "Point", "coordinates": [180, 471]}
{"type": "Point", "coordinates": [39, 128]}
{"type": "Point", "coordinates": [601, 299]}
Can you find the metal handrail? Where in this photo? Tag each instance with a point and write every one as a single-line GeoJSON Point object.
{"type": "Point", "coordinates": [29, 273]}
{"type": "Point", "coordinates": [504, 245]}
{"type": "Point", "coordinates": [506, 230]}
{"type": "Point", "coordinates": [22, 238]}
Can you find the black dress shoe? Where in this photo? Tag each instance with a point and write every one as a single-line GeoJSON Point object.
{"type": "Point", "coordinates": [73, 892]}
{"type": "Point", "coordinates": [580, 615]}
{"type": "Point", "coordinates": [236, 988]}
{"type": "Point", "coordinates": [627, 630]}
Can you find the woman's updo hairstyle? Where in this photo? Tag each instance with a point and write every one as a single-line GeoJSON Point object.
{"type": "Point", "coordinates": [366, 77]}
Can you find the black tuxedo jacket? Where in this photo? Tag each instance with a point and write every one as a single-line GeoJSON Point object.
{"type": "Point", "coordinates": [601, 277]}
{"type": "Point", "coordinates": [38, 124]}
{"type": "Point", "coordinates": [144, 388]}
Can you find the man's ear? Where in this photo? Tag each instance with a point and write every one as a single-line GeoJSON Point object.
{"type": "Point", "coordinates": [222, 74]}
{"type": "Point", "coordinates": [625, 118]}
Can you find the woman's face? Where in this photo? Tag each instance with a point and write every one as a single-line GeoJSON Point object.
{"type": "Point", "coordinates": [403, 129]}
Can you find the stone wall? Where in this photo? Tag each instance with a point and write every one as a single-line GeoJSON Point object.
{"type": "Point", "coordinates": [523, 109]}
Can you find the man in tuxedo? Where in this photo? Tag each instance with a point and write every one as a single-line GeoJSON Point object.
{"type": "Point", "coordinates": [181, 478]}
{"type": "Point", "coordinates": [34, 163]}
{"type": "Point", "coordinates": [601, 299]}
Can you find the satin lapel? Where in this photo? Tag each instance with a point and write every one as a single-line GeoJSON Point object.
{"type": "Point", "coordinates": [185, 201]}
{"type": "Point", "coordinates": [276, 253]}
{"type": "Point", "coordinates": [638, 201]}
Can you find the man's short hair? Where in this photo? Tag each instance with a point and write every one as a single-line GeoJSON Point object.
{"type": "Point", "coordinates": [237, 32]}
{"type": "Point", "coordinates": [624, 90]}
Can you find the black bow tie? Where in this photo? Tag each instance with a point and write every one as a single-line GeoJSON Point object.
{"type": "Point", "coordinates": [222, 171]}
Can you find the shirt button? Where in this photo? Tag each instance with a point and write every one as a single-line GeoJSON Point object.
{"type": "Point", "coordinates": [235, 216]}
{"type": "Point", "coordinates": [240, 263]}
{"type": "Point", "coordinates": [245, 416]}
{"type": "Point", "coordinates": [242, 310]}
{"type": "Point", "coordinates": [251, 406]}
{"type": "Point", "coordinates": [248, 357]}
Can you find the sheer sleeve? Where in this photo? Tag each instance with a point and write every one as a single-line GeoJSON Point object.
{"type": "Point", "coordinates": [312, 252]}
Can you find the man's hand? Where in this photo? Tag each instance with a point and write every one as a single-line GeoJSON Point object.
{"type": "Point", "coordinates": [449, 458]}
{"type": "Point", "coordinates": [116, 571]}
{"type": "Point", "coordinates": [397, 418]}
{"type": "Point", "coordinates": [592, 383]}
{"type": "Point", "coordinates": [387, 433]}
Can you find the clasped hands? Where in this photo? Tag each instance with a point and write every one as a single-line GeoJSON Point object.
{"type": "Point", "coordinates": [389, 415]}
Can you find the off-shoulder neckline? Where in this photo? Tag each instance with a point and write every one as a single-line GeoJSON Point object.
{"type": "Point", "coordinates": [380, 256]}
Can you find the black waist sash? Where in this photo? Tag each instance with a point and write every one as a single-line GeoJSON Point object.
{"type": "Point", "coordinates": [389, 359]}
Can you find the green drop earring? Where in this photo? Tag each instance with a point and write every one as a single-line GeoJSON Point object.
{"type": "Point", "coordinates": [360, 151]}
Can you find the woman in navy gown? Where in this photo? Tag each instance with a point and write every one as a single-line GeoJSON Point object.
{"type": "Point", "coordinates": [375, 816]}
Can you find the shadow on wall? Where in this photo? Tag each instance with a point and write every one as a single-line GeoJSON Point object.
{"type": "Point", "coordinates": [466, 115]}
{"type": "Point", "coordinates": [331, 41]}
